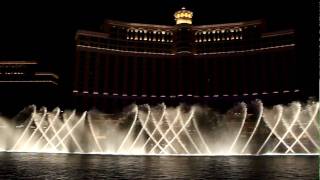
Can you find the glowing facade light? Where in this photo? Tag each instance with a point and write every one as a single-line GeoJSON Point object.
{"type": "Point", "coordinates": [183, 16]}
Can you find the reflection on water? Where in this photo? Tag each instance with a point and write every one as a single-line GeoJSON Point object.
{"type": "Point", "coordinates": [64, 166]}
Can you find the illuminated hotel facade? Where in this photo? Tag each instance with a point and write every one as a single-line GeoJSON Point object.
{"type": "Point", "coordinates": [144, 63]}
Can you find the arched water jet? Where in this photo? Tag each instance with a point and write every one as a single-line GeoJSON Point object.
{"type": "Point", "coordinates": [82, 118]}
{"type": "Point", "coordinates": [293, 134]}
{"type": "Point", "coordinates": [144, 128]}
{"type": "Point", "coordinates": [200, 136]}
{"type": "Point", "coordinates": [306, 132]}
{"type": "Point", "coordinates": [175, 134]}
{"type": "Point", "coordinates": [272, 132]}
{"type": "Point", "coordinates": [181, 129]}
{"type": "Point", "coordinates": [56, 135]}
{"type": "Point", "coordinates": [243, 121]}
{"type": "Point", "coordinates": [255, 127]}
{"type": "Point", "coordinates": [136, 109]}
{"type": "Point", "coordinates": [93, 133]}
{"type": "Point", "coordinates": [189, 137]}
{"type": "Point", "coordinates": [306, 128]}
{"type": "Point", "coordinates": [25, 130]}
{"type": "Point", "coordinates": [289, 128]}
{"type": "Point", "coordinates": [44, 134]}
{"type": "Point", "coordinates": [157, 128]}
{"type": "Point", "coordinates": [168, 130]}
{"type": "Point", "coordinates": [275, 133]}
{"type": "Point", "coordinates": [37, 128]}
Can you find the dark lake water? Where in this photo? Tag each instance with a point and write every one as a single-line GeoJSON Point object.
{"type": "Point", "coordinates": [72, 166]}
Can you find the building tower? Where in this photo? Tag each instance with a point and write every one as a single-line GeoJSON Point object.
{"type": "Point", "coordinates": [183, 32]}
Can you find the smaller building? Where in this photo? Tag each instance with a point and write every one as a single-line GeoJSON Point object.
{"type": "Point", "coordinates": [23, 83]}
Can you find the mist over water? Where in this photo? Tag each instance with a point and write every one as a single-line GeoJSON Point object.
{"type": "Point", "coordinates": [245, 129]}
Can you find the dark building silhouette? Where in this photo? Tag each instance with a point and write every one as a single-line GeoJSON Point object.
{"type": "Point", "coordinates": [23, 83]}
{"type": "Point", "coordinates": [211, 64]}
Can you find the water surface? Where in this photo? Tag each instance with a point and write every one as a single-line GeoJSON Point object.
{"type": "Point", "coordinates": [73, 166]}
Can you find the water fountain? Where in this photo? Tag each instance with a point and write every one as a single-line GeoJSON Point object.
{"type": "Point", "coordinates": [246, 129]}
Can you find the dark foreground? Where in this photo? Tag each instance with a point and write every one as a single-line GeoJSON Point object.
{"type": "Point", "coordinates": [64, 166]}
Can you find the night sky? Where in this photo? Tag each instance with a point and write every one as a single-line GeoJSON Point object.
{"type": "Point", "coordinates": [45, 31]}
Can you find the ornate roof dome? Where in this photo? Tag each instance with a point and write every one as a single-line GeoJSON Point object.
{"type": "Point", "coordinates": [183, 16]}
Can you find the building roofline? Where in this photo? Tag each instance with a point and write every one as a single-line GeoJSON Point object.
{"type": "Point", "coordinates": [17, 62]}
{"type": "Point", "coordinates": [195, 27]}
{"type": "Point", "coordinates": [142, 25]}
{"type": "Point", "coordinates": [235, 24]}
{"type": "Point", "coordinates": [92, 33]}
{"type": "Point", "coordinates": [278, 33]}
{"type": "Point", "coordinates": [47, 74]}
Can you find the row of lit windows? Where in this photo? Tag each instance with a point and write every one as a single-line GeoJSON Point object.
{"type": "Point", "coordinates": [145, 35]}
{"type": "Point", "coordinates": [11, 73]}
{"type": "Point", "coordinates": [218, 35]}
{"type": "Point", "coordinates": [223, 38]}
{"type": "Point", "coordinates": [217, 31]}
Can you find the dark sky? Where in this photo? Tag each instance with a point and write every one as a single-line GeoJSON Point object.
{"type": "Point", "coordinates": [45, 31]}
